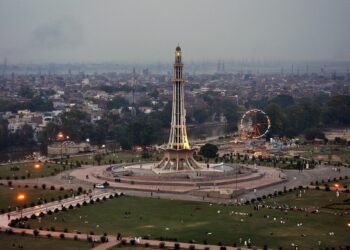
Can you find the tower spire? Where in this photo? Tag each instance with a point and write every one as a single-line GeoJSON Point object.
{"type": "Point", "coordinates": [178, 153]}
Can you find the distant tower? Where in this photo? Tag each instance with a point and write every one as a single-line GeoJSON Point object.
{"type": "Point", "coordinates": [133, 91]}
{"type": "Point", "coordinates": [223, 66]}
{"type": "Point", "coordinates": [5, 67]}
{"type": "Point", "coordinates": [178, 154]}
{"type": "Point", "coordinates": [219, 67]}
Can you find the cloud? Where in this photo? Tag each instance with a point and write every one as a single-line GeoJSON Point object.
{"type": "Point", "coordinates": [62, 33]}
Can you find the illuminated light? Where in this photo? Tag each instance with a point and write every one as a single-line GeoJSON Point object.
{"type": "Point", "coordinates": [178, 53]}
{"type": "Point", "coordinates": [349, 224]}
{"type": "Point", "coordinates": [336, 185]}
{"type": "Point", "coordinates": [60, 135]}
{"type": "Point", "coordinates": [37, 165]}
{"type": "Point", "coordinates": [21, 197]}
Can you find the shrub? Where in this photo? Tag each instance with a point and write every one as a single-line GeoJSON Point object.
{"type": "Point", "coordinates": [146, 244]}
{"type": "Point", "coordinates": [62, 236]}
{"type": "Point", "coordinates": [52, 187]}
{"type": "Point", "coordinates": [161, 245]}
{"type": "Point", "coordinates": [65, 230]}
{"type": "Point", "coordinates": [35, 232]}
{"type": "Point", "coordinates": [132, 242]}
{"type": "Point", "coordinates": [191, 247]}
{"type": "Point", "coordinates": [105, 239]}
{"type": "Point", "coordinates": [176, 246]}
{"type": "Point", "coordinates": [123, 241]}
{"type": "Point", "coordinates": [76, 237]}
{"type": "Point", "coordinates": [48, 235]}
{"type": "Point", "coordinates": [222, 248]}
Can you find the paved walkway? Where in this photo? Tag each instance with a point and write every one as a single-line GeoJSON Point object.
{"type": "Point", "coordinates": [51, 206]}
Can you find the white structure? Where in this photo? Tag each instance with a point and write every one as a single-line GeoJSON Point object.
{"type": "Point", "coordinates": [178, 154]}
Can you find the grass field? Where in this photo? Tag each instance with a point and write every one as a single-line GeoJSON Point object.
{"type": "Point", "coordinates": [27, 170]}
{"type": "Point", "coordinates": [10, 242]}
{"type": "Point", "coordinates": [117, 157]}
{"type": "Point", "coordinates": [8, 196]}
{"type": "Point", "coordinates": [213, 223]}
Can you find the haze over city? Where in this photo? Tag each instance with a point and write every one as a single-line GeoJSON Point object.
{"type": "Point", "coordinates": [144, 31]}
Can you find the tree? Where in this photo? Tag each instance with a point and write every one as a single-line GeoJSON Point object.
{"type": "Point", "coordinates": [209, 150]}
{"type": "Point", "coordinates": [98, 158]}
{"type": "Point", "coordinates": [3, 134]}
{"type": "Point", "coordinates": [277, 118]}
{"type": "Point", "coordinates": [117, 102]}
{"type": "Point", "coordinates": [313, 133]}
{"type": "Point", "coordinates": [26, 92]}
{"type": "Point", "coordinates": [283, 100]}
{"type": "Point", "coordinates": [200, 115]}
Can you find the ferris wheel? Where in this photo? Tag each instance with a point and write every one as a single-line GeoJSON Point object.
{"type": "Point", "coordinates": [254, 124]}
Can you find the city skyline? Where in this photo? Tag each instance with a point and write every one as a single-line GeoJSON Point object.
{"type": "Point", "coordinates": [130, 31]}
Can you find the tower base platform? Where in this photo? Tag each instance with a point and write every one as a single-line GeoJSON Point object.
{"type": "Point", "coordinates": [177, 160]}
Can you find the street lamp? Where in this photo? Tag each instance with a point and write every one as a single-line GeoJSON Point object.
{"type": "Point", "coordinates": [37, 166]}
{"type": "Point", "coordinates": [21, 197]}
{"type": "Point", "coordinates": [60, 137]}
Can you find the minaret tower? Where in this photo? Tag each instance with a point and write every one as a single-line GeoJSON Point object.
{"type": "Point", "coordinates": [178, 153]}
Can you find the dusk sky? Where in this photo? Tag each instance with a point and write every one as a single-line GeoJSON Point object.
{"type": "Point", "coordinates": [148, 31]}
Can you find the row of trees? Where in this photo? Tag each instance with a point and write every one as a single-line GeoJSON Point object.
{"type": "Point", "coordinates": [291, 117]}
{"type": "Point", "coordinates": [23, 137]}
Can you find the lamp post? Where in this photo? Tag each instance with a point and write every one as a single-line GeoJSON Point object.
{"type": "Point", "coordinates": [61, 137]}
{"type": "Point", "coordinates": [37, 166]}
{"type": "Point", "coordinates": [21, 197]}
{"type": "Point", "coordinates": [92, 151]}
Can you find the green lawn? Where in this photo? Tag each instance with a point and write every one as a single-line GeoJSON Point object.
{"type": "Point", "coordinates": [10, 242]}
{"type": "Point", "coordinates": [117, 157]}
{"type": "Point", "coordinates": [27, 170]}
{"type": "Point", "coordinates": [8, 196]}
{"type": "Point", "coordinates": [311, 199]}
{"type": "Point", "coordinates": [211, 222]}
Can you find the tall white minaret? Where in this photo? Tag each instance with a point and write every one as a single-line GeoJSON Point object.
{"type": "Point", "coordinates": [178, 154]}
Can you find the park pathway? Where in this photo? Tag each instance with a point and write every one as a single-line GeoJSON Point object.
{"type": "Point", "coordinates": [155, 243]}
